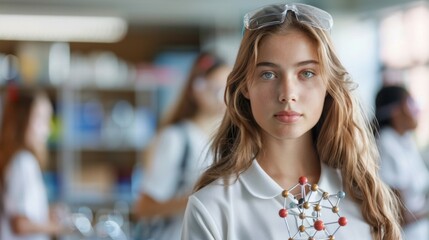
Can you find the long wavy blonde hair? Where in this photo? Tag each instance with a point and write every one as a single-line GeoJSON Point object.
{"type": "Point", "coordinates": [342, 136]}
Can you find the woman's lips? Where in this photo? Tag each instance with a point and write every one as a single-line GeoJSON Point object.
{"type": "Point", "coordinates": [287, 116]}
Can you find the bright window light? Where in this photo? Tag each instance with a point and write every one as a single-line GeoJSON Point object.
{"type": "Point", "coordinates": [62, 28]}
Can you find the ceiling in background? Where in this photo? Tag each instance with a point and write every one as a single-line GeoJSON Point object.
{"type": "Point", "coordinates": [221, 13]}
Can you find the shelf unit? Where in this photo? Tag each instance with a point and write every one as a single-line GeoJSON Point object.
{"type": "Point", "coordinates": [92, 154]}
{"type": "Point", "coordinates": [104, 133]}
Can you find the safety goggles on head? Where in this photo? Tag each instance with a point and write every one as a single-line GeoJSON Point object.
{"type": "Point", "coordinates": [276, 13]}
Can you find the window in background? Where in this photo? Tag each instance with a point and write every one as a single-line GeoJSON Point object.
{"type": "Point", "coordinates": [361, 60]}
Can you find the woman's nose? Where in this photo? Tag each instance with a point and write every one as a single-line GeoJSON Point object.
{"type": "Point", "coordinates": [287, 91]}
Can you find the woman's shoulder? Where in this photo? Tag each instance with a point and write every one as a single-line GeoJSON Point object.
{"type": "Point", "coordinates": [176, 129]}
{"type": "Point", "coordinates": [23, 157]}
{"type": "Point", "coordinates": [216, 187]}
{"type": "Point", "coordinates": [180, 131]}
{"type": "Point", "coordinates": [215, 193]}
{"type": "Point", "coordinates": [23, 162]}
{"type": "Point", "coordinates": [173, 128]}
{"type": "Point", "coordinates": [387, 133]}
{"type": "Point", "coordinates": [253, 181]}
{"type": "Point", "coordinates": [171, 133]}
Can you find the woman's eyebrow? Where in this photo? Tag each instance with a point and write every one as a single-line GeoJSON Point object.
{"type": "Point", "coordinates": [298, 64]}
{"type": "Point", "coordinates": [307, 62]}
{"type": "Point", "coordinates": [266, 64]}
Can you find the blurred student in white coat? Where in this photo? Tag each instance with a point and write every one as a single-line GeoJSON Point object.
{"type": "Point", "coordinates": [402, 167]}
{"type": "Point", "coordinates": [25, 128]}
{"type": "Point", "coordinates": [179, 153]}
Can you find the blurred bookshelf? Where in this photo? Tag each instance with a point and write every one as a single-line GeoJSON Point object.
{"type": "Point", "coordinates": [104, 132]}
{"type": "Point", "coordinates": [107, 102]}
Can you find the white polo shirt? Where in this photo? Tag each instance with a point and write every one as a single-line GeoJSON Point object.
{"type": "Point", "coordinates": [249, 209]}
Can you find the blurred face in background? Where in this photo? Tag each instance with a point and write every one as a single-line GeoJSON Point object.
{"type": "Point", "coordinates": [209, 91]}
{"type": "Point", "coordinates": [39, 123]}
{"type": "Point", "coordinates": [407, 114]}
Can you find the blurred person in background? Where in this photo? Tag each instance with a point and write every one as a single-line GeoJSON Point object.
{"type": "Point", "coordinates": [25, 127]}
{"type": "Point", "coordinates": [402, 167]}
{"type": "Point", "coordinates": [179, 153]}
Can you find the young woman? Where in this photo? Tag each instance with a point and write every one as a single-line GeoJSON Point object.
{"type": "Point", "coordinates": [401, 163]}
{"type": "Point", "coordinates": [23, 139]}
{"type": "Point", "coordinates": [291, 120]}
{"type": "Point", "coordinates": [177, 156]}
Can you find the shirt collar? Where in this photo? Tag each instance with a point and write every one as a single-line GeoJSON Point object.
{"type": "Point", "coordinates": [261, 185]}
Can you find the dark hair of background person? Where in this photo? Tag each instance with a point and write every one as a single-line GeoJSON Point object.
{"type": "Point", "coordinates": [387, 97]}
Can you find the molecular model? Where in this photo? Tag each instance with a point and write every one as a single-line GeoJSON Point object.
{"type": "Point", "coordinates": [306, 207]}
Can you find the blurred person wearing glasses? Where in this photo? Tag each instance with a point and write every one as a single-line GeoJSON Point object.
{"type": "Point", "coordinates": [179, 152]}
{"type": "Point", "coordinates": [402, 167]}
{"type": "Point", "coordinates": [25, 127]}
{"type": "Point", "coordinates": [292, 119]}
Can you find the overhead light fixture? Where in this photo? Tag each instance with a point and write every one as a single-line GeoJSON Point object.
{"type": "Point", "coordinates": [62, 28]}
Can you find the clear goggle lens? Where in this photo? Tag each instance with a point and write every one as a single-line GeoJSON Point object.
{"type": "Point", "coordinates": [275, 14]}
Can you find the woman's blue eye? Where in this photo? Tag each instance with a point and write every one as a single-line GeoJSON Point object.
{"type": "Point", "coordinates": [307, 74]}
{"type": "Point", "coordinates": [268, 75]}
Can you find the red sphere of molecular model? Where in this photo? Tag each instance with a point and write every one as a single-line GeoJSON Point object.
{"type": "Point", "coordinates": [318, 225]}
{"type": "Point", "coordinates": [283, 213]}
{"type": "Point", "coordinates": [342, 221]}
{"type": "Point", "coordinates": [302, 180]}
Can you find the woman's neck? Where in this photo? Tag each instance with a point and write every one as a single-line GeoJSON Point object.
{"type": "Point", "coordinates": [207, 124]}
{"type": "Point", "coordinates": [287, 160]}
{"type": "Point", "coordinates": [398, 128]}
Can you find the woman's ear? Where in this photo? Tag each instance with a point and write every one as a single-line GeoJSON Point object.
{"type": "Point", "coordinates": [245, 92]}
